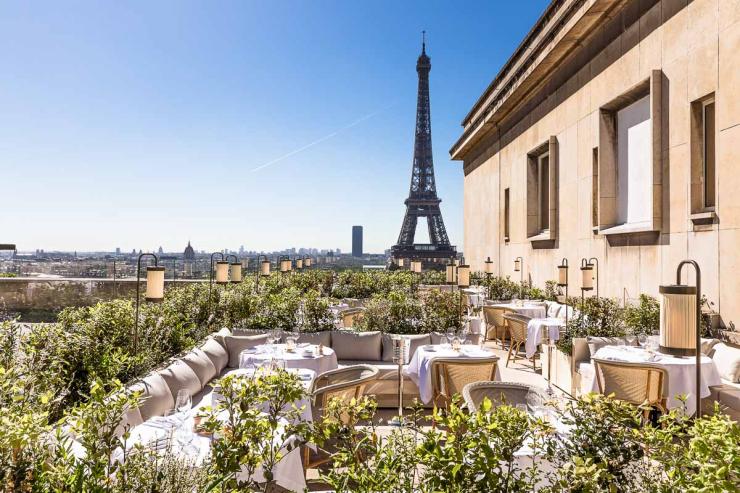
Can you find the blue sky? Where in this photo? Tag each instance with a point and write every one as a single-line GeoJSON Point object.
{"type": "Point", "coordinates": [139, 124]}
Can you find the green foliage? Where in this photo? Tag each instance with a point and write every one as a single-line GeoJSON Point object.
{"type": "Point", "coordinates": [501, 288]}
{"type": "Point", "coordinates": [396, 312]}
{"type": "Point", "coordinates": [440, 310]}
{"type": "Point", "coordinates": [600, 317]}
{"type": "Point", "coordinates": [316, 313]}
{"type": "Point", "coordinates": [350, 284]}
{"type": "Point", "coordinates": [643, 318]}
{"type": "Point", "coordinates": [257, 424]}
{"type": "Point", "coordinates": [476, 451]}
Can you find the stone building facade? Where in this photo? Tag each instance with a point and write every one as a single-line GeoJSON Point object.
{"type": "Point", "coordinates": [612, 132]}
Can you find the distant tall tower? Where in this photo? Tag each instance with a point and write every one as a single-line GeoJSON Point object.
{"type": "Point", "coordinates": [357, 241]}
{"type": "Point", "coordinates": [423, 200]}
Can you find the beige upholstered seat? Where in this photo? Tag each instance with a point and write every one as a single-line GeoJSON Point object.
{"type": "Point", "coordinates": [450, 375]}
{"type": "Point", "coordinates": [500, 393]}
{"type": "Point", "coordinates": [343, 383]}
{"type": "Point", "coordinates": [495, 323]}
{"type": "Point", "coordinates": [636, 383]}
{"type": "Point", "coordinates": [517, 325]}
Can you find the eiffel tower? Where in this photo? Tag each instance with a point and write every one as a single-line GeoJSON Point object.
{"type": "Point", "coordinates": [423, 200]}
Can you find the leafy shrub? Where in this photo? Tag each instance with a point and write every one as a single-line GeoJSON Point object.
{"type": "Point", "coordinates": [396, 312]}
{"type": "Point", "coordinates": [600, 317]}
{"type": "Point", "coordinates": [643, 318]}
{"type": "Point", "coordinates": [440, 310]}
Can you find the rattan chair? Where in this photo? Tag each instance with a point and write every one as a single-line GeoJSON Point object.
{"type": "Point", "coordinates": [450, 375]}
{"type": "Point", "coordinates": [500, 393]}
{"type": "Point", "coordinates": [517, 325]}
{"type": "Point", "coordinates": [495, 323]}
{"type": "Point", "coordinates": [636, 383]}
{"type": "Point", "coordinates": [344, 384]}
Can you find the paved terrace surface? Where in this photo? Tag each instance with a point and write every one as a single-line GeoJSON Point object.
{"type": "Point", "coordinates": [520, 372]}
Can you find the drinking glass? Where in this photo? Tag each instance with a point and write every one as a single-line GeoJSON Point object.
{"type": "Point", "coordinates": [534, 402]}
{"type": "Point", "coordinates": [246, 361]}
{"type": "Point", "coordinates": [522, 408]}
{"type": "Point", "coordinates": [620, 342]}
{"type": "Point", "coordinates": [642, 340]}
{"type": "Point", "coordinates": [184, 402]}
{"type": "Point", "coordinates": [450, 335]}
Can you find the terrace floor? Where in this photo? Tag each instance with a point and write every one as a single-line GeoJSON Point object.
{"type": "Point", "coordinates": [520, 372]}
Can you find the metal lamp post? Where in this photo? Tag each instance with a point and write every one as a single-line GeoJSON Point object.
{"type": "Point", "coordinates": [154, 289]}
{"type": "Point", "coordinates": [210, 277]}
{"type": "Point", "coordinates": [680, 321]}
{"type": "Point", "coordinates": [235, 269]}
{"type": "Point", "coordinates": [518, 267]}
{"type": "Point", "coordinates": [489, 272]}
{"type": "Point", "coordinates": [262, 271]}
{"type": "Point", "coordinates": [587, 276]}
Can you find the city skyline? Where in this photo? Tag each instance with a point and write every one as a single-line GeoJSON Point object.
{"type": "Point", "coordinates": [127, 126]}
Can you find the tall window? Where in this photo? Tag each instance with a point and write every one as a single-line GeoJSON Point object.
{"type": "Point", "coordinates": [708, 154]}
{"type": "Point", "coordinates": [634, 163]}
{"type": "Point", "coordinates": [595, 188]}
{"type": "Point", "coordinates": [543, 191]}
{"type": "Point", "coordinates": [506, 214]}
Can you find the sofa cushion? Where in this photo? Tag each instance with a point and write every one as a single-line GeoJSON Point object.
{"type": "Point", "coordinates": [219, 336]}
{"type": "Point", "coordinates": [596, 343]}
{"type": "Point", "coordinates": [201, 364]}
{"type": "Point", "coordinates": [131, 417]}
{"type": "Point", "coordinates": [156, 397]}
{"type": "Point", "coordinates": [707, 344]}
{"type": "Point", "coordinates": [216, 352]}
{"type": "Point", "coordinates": [179, 376]}
{"type": "Point", "coordinates": [351, 345]}
{"type": "Point", "coordinates": [438, 337]}
{"type": "Point", "coordinates": [415, 341]}
{"type": "Point", "coordinates": [323, 337]}
{"type": "Point", "coordinates": [727, 360]}
{"type": "Point", "coordinates": [236, 344]}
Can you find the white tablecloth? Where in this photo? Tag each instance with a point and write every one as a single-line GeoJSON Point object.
{"type": "Point", "coordinates": [535, 329]}
{"type": "Point", "coordinates": [474, 324]}
{"type": "Point", "coordinates": [530, 310]}
{"type": "Point", "coordinates": [681, 373]}
{"type": "Point", "coordinates": [288, 472]}
{"type": "Point", "coordinates": [296, 359]}
{"type": "Point", "coordinates": [304, 404]}
{"type": "Point", "coordinates": [419, 370]}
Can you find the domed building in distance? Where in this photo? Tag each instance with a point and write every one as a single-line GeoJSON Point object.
{"type": "Point", "coordinates": [189, 260]}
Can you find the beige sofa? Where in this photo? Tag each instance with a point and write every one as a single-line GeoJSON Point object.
{"type": "Point", "coordinates": [727, 360]}
{"type": "Point", "coordinates": [195, 370]}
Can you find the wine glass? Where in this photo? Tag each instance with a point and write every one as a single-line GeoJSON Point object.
{"type": "Point", "coordinates": [184, 402]}
{"type": "Point", "coordinates": [642, 340]}
{"type": "Point", "coordinates": [450, 335]}
{"type": "Point", "coordinates": [246, 361]}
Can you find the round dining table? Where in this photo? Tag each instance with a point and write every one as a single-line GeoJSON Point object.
{"type": "Point", "coordinates": [304, 356]}
{"type": "Point", "coordinates": [681, 373]}
{"type": "Point", "coordinates": [531, 310]}
{"type": "Point", "coordinates": [419, 369]}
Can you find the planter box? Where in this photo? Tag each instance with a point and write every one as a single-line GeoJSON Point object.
{"type": "Point", "coordinates": [561, 369]}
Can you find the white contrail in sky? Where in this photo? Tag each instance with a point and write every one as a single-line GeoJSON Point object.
{"type": "Point", "coordinates": [322, 139]}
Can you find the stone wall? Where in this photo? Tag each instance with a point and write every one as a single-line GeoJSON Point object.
{"type": "Point", "coordinates": [696, 47]}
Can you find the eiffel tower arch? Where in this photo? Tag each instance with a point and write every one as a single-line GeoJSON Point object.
{"type": "Point", "coordinates": [422, 201]}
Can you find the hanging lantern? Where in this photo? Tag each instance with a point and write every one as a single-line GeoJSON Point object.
{"type": "Point", "coordinates": [265, 267]}
{"type": "Point", "coordinates": [308, 262]}
{"type": "Point", "coordinates": [400, 262]}
{"type": "Point", "coordinates": [236, 272]}
{"type": "Point", "coordinates": [451, 274]}
{"type": "Point", "coordinates": [154, 283]}
{"type": "Point", "coordinates": [489, 265]}
{"type": "Point", "coordinates": [299, 263]}
{"type": "Point", "coordinates": [285, 265]}
{"type": "Point", "coordinates": [222, 272]}
{"type": "Point", "coordinates": [563, 274]}
{"type": "Point", "coordinates": [463, 276]}
{"type": "Point", "coordinates": [587, 277]}
{"type": "Point", "coordinates": [417, 267]}
{"type": "Point", "coordinates": [678, 319]}
{"type": "Point", "coordinates": [518, 265]}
